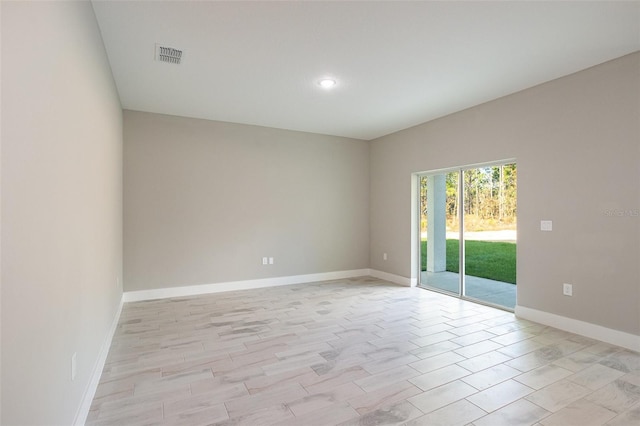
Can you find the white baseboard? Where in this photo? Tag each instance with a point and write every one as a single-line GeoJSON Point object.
{"type": "Point", "coordinates": [397, 279]}
{"type": "Point", "coordinates": [92, 386]}
{"type": "Point", "coordinates": [593, 331]}
{"type": "Point", "coordinates": [193, 290]}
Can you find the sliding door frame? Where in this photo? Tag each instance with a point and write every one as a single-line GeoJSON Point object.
{"type": "Point", "coordinates": [461, 245]}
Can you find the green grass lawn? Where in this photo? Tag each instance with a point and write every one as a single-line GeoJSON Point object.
{"type": "Point", "coordinates": [485, 259]}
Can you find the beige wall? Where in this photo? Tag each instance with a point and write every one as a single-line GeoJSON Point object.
{"type": "Point", "coordinates": [577, 145]}
{"type": "Point", "coordinates": [205, 201]}
{"type": "Point", "coordinates": [61, 207]}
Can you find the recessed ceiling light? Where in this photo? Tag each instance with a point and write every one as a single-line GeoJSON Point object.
{"type": "Point", "coordinates": [327, 83]}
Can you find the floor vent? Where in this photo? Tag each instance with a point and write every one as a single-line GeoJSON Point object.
{"type": "Point", "coordinates": [168, 54]}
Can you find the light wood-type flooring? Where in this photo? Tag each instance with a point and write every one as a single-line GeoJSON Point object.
{"type": "Point", "coordinates": [355, 352]}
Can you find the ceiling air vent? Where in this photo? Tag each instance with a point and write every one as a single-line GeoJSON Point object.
{"type": "Point", "coordinates": [168, 54]}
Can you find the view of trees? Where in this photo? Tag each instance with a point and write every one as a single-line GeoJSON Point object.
{"type": "Point", "coordinates": [489, 198]}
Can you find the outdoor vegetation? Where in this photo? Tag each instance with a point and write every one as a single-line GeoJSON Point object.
{"type": "Point", "coordinates": [484, 259]}
{"type": "Point", "coordinates": [489, 199]}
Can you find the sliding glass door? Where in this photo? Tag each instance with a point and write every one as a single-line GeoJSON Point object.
{"type": "Point", "coordinates": [468, 233]}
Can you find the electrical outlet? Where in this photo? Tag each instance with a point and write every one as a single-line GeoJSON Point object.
{"type": "Point", "coordinates": [265, 261]}
{"type": "Point", "coordinates": [384, 256]}
{"type": "Point", "coordinates": [567, 289]}
{"type": "Point", "coordinates": [271, 261]}
{"type": "Point", "coordinates": [73, 366]}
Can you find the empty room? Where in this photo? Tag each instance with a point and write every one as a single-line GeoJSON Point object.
{"type": "Point", "coordinates": [320, 213]}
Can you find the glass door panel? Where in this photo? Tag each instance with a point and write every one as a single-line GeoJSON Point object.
{"type": "Point", "coordinates": [440, 232]}
{"type": "Point", "coordinates": [489, 223]}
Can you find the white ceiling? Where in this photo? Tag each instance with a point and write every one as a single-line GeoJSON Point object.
{"type": "Point", "coordinates": [397, 64]}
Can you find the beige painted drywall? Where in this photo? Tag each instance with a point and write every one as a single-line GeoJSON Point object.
{"type": "Point", "coordinates": [204, 201]}
{"type": "Point", "coordinates": [577, 145]}
{"type": "Point", "coordinates": [61, 207]}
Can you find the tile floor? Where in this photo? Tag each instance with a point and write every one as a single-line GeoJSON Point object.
{"type": "Point", "coordinates": [355, 352]}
